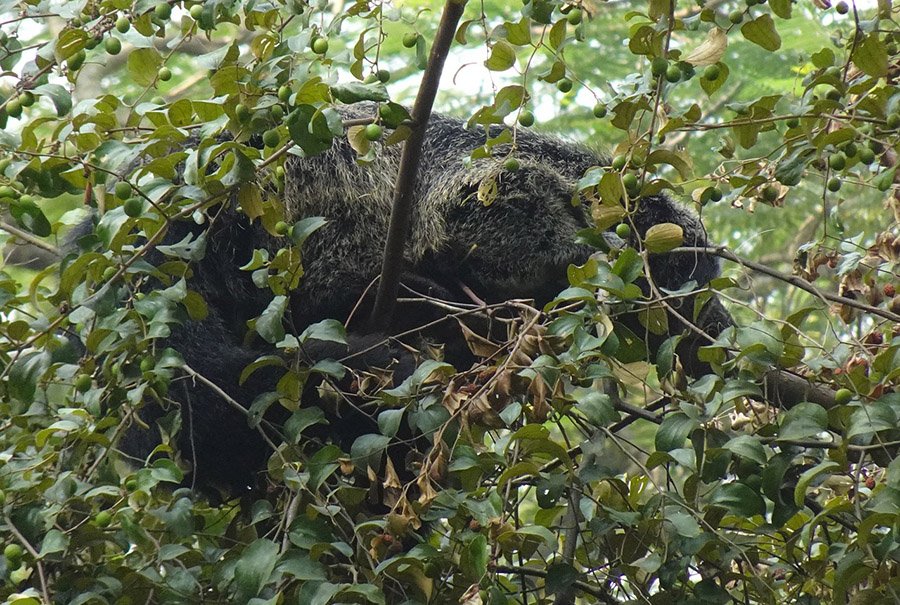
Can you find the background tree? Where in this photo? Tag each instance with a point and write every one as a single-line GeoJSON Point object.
{"type": "Point", "coordinates": [777, 120]}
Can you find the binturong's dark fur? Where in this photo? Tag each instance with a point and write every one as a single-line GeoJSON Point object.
{"type": "Point", "coordinates": [516, 247]}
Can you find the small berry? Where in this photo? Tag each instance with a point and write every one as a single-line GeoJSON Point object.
{"type": "Point", "coordinates": [282, 228]}
{"type": "Point", "coordinates": [564, 85]}
{"type": "Point", "coordinates": [133, 207]}
{"type": "Point", "coordinates": [162, 11]}
{"type": "Point", "coordinates": [600, 110]}
{"type": "Point", "coordinates": [123, 24]}
{"type": "Point", "coordinates": [284, 94]}
{"type": "Point", "coordinates": [736, 16]}
{"type": "Point", "coordinates": [83, 383]}
{"type": "Point", "coordinates": [630, 182]}
{"type": "Point", "coordinates": [574, 17]}
{"type": "Point", "coordinates": [623, 230]}
{"type": "Point", "coordinates": [113, 46]}
{"type": "Point", "coordinates": [842, 8]}
{"type": "Point", "coordinates": [843, 396]}
{"type": "Point", "coordinates": [241, 112]}
{"type": "Point", "coordinates": [673, 74]}
{"type": "Point", "coordinates": [164, 74]}
{"type": "Point", "coordinates": [511, 164]}
{"type": "Point", "coordinates": [837, 161]}
{"type": "Point", "coordinates": [712, 72]}
{"type": "Point", "coordinates": [196, 11]}
{"type": "Point", "coordinates": [410, 39]}
{"type": "Point", "coordinates": [659, 66]}
{"type": "Point", "coordinates": [373, 132]}
{"type": "Point", "coordinates": [770, 194]}
{"type": "Point", "coordinates": [618, 162]}
{"type": "Point", "coordinates": [123, 190]}
{"type": "Point", "coordinates": [384, 76]}
{"type": "Point", "coordinates": [26, 99]}
{"type": "Point", "coordinates": [320, 46]}
{"type": "Point", "coordinates": [526, 118]}
{"type": "Point", "coordinates": [893, 121]}
{"type": "Point", "coordinates": [271, 138]}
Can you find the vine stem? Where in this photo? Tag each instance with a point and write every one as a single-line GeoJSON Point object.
{"type": "Point", "coordinates": [392, 264]}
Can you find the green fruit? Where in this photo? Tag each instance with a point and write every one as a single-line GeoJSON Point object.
{"type": "Point", "coordinates": [850, 149]}
{"type": "Point", "coordinates": [834, 184]}
{"type": "Point", "coordinates": [148, 363]}
{"type": "Point", "coordinates": [26, 99]}
{"type": "Point", "coordinates": [13, 553]}
{"type": "Point", "coordinates": [630, 182]}
{"type": "Point", "coordinates": [687, 70]}
{"type": "Point", "coordinates": [866, 155]}
{"type": "Point", "coordinates": [837, 161]}
{"type": "Point", "coordinates": [284, 94]}
{"type": "Point", "coordinates": [123, 24]}
{"type": "Point", "coordinates": [373, 132]}
{"type": "Point", "coordinates": [770, 194]}
{"type": "Point", "coordinates": [843, 396]}
{"type": "Point", "coordinates": [282, 228]}
{"type": "Point", "coordinates": [107, 275]}
{"type": "Point", "coordinates": [131, 484]}
{"type": "Point", "coordinates": [658, 66]}
{"type": "Point", "coordinates": [618, 162]}
{"type": "Point", "coordinates": [623, 230]}
{"type": "Point", "coordinates": [564, 85]}
{"type": "Point", "coordinates": [164, 74]}
{"type": "Point", "coordinates": [673, 74]}
{"type": "Point", "coordinates": [842, 8]}
{"type": "Point", "coordinates": [123, 190]}
{"type": "Point", "coordinates": [93, 41]}
{"type": "Point", "coordinates": [162, 11]}
{"type": "Point", "coordinates": [384, 76]}
{"type": "Point", "coordinates": [241, 112]}
{"type": "Point", "coordinates": [511, 164]}
{"type": "Point", "coordinates": [76, 60]}
{"type": "Point", "coordinates": [133, 207]}
{"type": "Point", "coordinates": [736, 16]}
{"type": "Point", "coordinates": [113, 46]}
{"type": "Point", "coordinates": [792, 122]}
{"type": "Point", "coordinates": [716, 194]}
{"type": "Point", "coordinates": [83, 383]}
{"type": "Point", "coordinates": [526, 118]}
{"type": "Point", "coordinates": [712, 72]}
{"type": "Point", "coordinates": [103, 518]}
{"type": "Point", "coordinates": [14, 108]}
{"type": "Point", "coordinates": [600, 110]}
{"type": "Point", "coordinates": [7, 191]}
{"type": "Point", "coordinates": [893, 121]}
{"type": "Point", "coordinates": [320, 46]}
{"type": "Point", "coordinates": [196, 12]}
{"type": "Point", "coordinates": [574, 17]}
{"type": "Point", "coordinates": [279, 172]}
{"type": "Point", "coordinates": [410, 39]}
{"type": "Point", "coordinates": [276, 112]}
{"type": "Point", "coordinates": [884, 181]}
{"type": "Point", "coordinates": [271, 138]}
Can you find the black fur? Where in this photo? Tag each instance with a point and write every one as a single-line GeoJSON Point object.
{"type": "Point", "coordinates": [518, 246]}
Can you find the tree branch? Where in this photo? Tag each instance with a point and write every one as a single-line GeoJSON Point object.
{"type": "Point", "coordinates": [391, 267]}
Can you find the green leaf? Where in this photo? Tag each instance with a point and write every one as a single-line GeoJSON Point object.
{"type": "Point", "coordinates": [329, 330]}
{"type": "Point", "coordinates": [254, 568]}
{"type": "Point", "coordinates": [143, 63]}
{"type": "Point", "coordinates": [30, 217]}
{"type": "Point", "coordinates": [303, 228]}
{"type": "Point", "coordinates": [323, 464]}
{"type": "Point", "coordinates": [389, 421]}
{"type": "Point", "coordinates": [269, 324]}
{"type": "Point", "coordinates": [873, 417]}
{"type": "Point", "coordinates": [761, 31]}
{"type": "Point", "coordinates": [674, 429]}
{"type": "Point", "coordinates": [473, 560]}
{"type": "Point", "coordinates": [367, 450]}
{"type": "Point", "coordinates": [354, 92]}
{"type": "Point", "coordinates": [808, 476]}
{"type": "Point", "coordinates": [782, 8]}
{"type": "Point", "coordinates": [739, 499]}
{"type": "Point", "coordinates": [747, 446]}
{"type": "Point", "coordinates": [803, 420]}
{"type": "Point", "coordinates": [502, 57]}
{"type": "Point", "coordinates": [560, 577]}
{"type": "Point", "coordinates": [871, 56]}
{"type": "Point", "coordinates": [596, 406]}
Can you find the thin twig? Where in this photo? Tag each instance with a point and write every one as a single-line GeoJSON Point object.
{"type": "Point", "coordinates": [27, 237]}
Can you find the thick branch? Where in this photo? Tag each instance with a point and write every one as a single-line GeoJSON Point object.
{"type": "Point", "coordinates": [391, 268]}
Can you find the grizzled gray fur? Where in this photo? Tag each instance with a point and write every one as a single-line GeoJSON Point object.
{"type": "Point", "coordinates": [518, 246]}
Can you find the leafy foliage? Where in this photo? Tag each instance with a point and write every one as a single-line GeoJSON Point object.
{"type": "Point", "coordinates": [778, 120]}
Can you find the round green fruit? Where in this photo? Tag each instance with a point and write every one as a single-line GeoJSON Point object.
{"type": "Point", "coordinates": [162, 11]}
{"type": "Point", "coordinates": [123, 24]}
{"type": "Point", "coordinates": [526, 118]}
{"type": "Point", "coordinates": [271, 138]}
{"type": "Point", "coordinates": [26, 99]}
{"type": "Point", "coordinates": [373, 132]}
{"type": "Point", "coordinates": [630, 182]}
{"type": "Point", "coordinates": [123, 190]}
{"type": "Point", "coordinates": [843, 396]}
{"type": "Point", "coordinates": [893, 121]}
{"type": "Point", "coordinates": [410, 39]}
{"type": "Point", "coordinates": [837, 161]}
{"type": "Point", "coordinates": [716, 194]}
{"type": "Point", "coordinates": [834, 184]}
{"type": "Point", "coordinates": [241, 112]}
{"type": "Point", "coordinates": [384, 76]}
{"type": "Point", "coordinates": [600, 110]}
{"type": "Point", "coordinates": [164, 74]}
{"type": "Point", "coordinates": [659, 66]}
{"type": "Point", "coordinates": [850, 149]}
{"type": "Point", "coordinates": [564, 85]}
{"type": "Point", "coordinates": [736, 16]}
{"type": "Point", "coordinates": [770, 194]}
{"type": "Point", "coordinates": [842, 8]}
{"type": "Point", "coordinates": [83, 383]}
{"type": "Point", "coordinates": [623, 230]}
{"type": "Point", "coordinates": [148, 363]}
{"type": "Point", "coordinates": [574, 17]}
{"type": "Point", "coordinates": [511, 164]}
{"type": "Point", "coordinates": [133, 207]}
{"type": "Point", "coordinates": [196, 12]}
{"type": "Point", "coordinates": [673, 74]}
{"type": "Point", "coordinates": [320, 46]}
{"type": "Point", "coordinates": [712, 72]}
{"type": "Point", "coordinates": [866, 155]}
{"type": "Point", "coordinates": [14, 108]}
{"type": "Point", "coordinates": [279, 172]}
{"type": "Point", "coordinates": [618, 162]}
{"type": "Point", "coordinates": [76, 60]}
{"type": "Point", "coordinates": [276, 112]}
{"type": "Point", "coordinates": [131, 485]}
{"type": "Point", "coordinates": [103, 518]}
{"type": "Point", "coordinates": [113, 46]}
{"type": "Point", "coordinates": [13, 553]}
{"type": "Point", "coordinates": [282, 228]}
{"type": "Point", "coordinates": [7, 191]}
{"type": "Point", "coordinates": [284, 94]}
